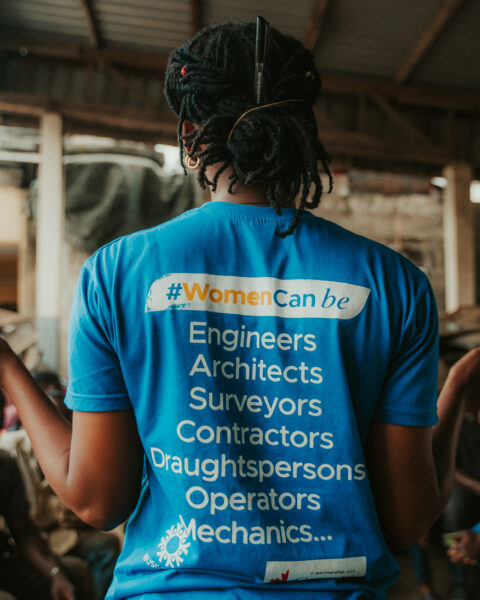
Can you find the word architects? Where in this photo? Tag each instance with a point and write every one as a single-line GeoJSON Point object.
{"type": "Point", "coordinates": [253, 370]}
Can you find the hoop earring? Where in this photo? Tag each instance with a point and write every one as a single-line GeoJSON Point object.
{"type": "Point", "coordinates": [190, 163]}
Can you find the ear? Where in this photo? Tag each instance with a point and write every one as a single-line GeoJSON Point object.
{"type": "Point", "coordinates": [187, 128]}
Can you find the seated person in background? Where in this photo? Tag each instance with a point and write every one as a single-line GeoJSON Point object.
{"type": "Point", "coordinates": [28, 569]}
{"type": "Point", "coordinates": [459, 519]}
{"type": "Point", "coordinates": [463, 508]}
{"type": "Point", "coordinates": [11, 420]}
{"type": "Point", "coordinates": [462, 514]}
{"type": "Point", "coordinates": [67, 534]}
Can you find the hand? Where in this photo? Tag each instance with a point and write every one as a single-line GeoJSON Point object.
{"type": "Point", "coordinates": [465, 375]}
{"type": "Point", "coordinates": [466, 548]}
{"type": "Point", "coordinates": [61, 588]}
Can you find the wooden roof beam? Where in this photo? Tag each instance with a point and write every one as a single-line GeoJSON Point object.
{"type": "Point", "coordinates": [315, 24]}
{"type": "Point", "coordinates": [399, 119]}
{"type": "Point", "coordinates": [107, 115]}
{"type": "Point", "coordinates": [91, 24]}
{"type": "Point", "coordinates": [415, 95]}
{"type": "Point", "coordinates": [420, 95]}
{"type": "Point", "coordinates": [143, 124]}
{"type": "Point", "coordinates": [441, 18]}
{"type": "Point", "coordinates": [353, 143]}
{"type": "Point", "coordinates": [140, 94]}
{"type": "Point", "coordinates": [138, 60]}
{"type": "Point", "coordinates": [102, 60]}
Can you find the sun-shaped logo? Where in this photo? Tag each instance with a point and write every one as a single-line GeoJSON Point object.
{"type": "Point", "coordinates": [173, 546]}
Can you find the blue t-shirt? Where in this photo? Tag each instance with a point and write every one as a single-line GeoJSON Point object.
{"type": "Point", "coordinates": [255, 366]}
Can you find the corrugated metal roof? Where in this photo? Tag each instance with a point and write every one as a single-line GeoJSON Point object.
{"type": "Point", "coordinates": [372, 38]}
{"type": "Point", "coordinates": [367, 38]}
{"type": "Point", "coordinates": [289, 17]}
{"type": "Point", "coordinates": [77, 84]}
{"type": "Point", "coordinates": [454, 59]}
{"type": "Point", "coordinates": [44, 18]}
{"type": "Point", "coordinates": [158, 26]}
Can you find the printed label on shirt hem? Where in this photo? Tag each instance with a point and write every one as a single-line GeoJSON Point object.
{"type": "Point", "coordinates": [257, 296]}
{"type": "Point", "coordinates": [326, 568]}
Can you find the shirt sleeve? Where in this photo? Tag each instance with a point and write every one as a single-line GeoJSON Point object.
{"type": "Point", "coordinates": [95, 376]}
{"type": "Point", "coordinates": [409, 393]}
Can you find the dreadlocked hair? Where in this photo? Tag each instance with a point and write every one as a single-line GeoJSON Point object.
{"type": "Point", "coordinates": [209, 82]}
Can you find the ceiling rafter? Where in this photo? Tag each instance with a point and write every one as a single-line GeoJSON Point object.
{"type": "Point", "coordinates": [124, 118]}
{"type": "Point", "coordinates": [138, 60]}
{"type": "Point", "coordinates": [110, 69]}
{"type": "Point", "coordinates": [91, 23]}
{"type": "Point", "coordinates": [416, 95]}
{"type": "Point", "coordinates": [420, 95]}
{"type": "Point", "coordinates": [400, 120]}
{"type": "Point", "coordinates": [145, 125]}
{"type": "Point", "coordinates": [441, 18]}
{"type": "Point", "coordinates": [130, 85]}
{"type": "Point", "coordinates": [315, 24]}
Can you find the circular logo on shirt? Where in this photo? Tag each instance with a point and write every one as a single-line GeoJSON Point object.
{"type": "Point", "coordinates": [174, 546]}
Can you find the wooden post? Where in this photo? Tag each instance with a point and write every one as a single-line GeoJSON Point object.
{"type": "Point", "coordinates": [50, 232]}
{"type": "Point", "coordinates": [459, 241]}
{"type": "Point", "coordinates": [26, 269]}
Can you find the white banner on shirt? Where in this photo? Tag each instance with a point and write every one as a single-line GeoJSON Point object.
{"type": "Point", "coordinates": [325, 568]}
{"type": "Point", "coordinates": [257, 296]}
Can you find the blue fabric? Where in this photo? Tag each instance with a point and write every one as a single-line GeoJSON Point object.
{"type": "Point", "coordinates": [255, 366]}
{"type": "Point", "coordinates": [422, 564]}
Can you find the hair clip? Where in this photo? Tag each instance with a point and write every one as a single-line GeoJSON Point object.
{"type": "Point", "coordinates": [183, 72]}
{"type": "Point", "coordinates": [261, 49]}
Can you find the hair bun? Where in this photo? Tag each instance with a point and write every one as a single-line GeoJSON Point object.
{"type": "Point", "coordinates": [209, 81]}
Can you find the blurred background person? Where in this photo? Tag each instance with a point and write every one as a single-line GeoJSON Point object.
{"type": "Point", "coordinates": [28, 568]}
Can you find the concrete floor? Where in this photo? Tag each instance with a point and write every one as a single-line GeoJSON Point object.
{"type": "Point", "coordinates": [406, 587]}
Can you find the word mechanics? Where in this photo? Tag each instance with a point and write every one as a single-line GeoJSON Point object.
{"type": "Point", "coordinates": [257, 296]}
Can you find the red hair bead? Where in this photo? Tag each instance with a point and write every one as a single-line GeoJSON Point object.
{"type": "Point", "coordinates": [183, 72]}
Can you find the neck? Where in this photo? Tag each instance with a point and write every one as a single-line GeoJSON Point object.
{"type": "Point", "coordinates": [242, 194]}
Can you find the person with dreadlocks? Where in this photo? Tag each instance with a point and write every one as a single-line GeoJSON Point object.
{"type": "Point", "coordinates": [271, 147]}
{"type": "Point", "coordinates": [253, 386]}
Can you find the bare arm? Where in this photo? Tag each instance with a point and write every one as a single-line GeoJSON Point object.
{"type": "Point", "coordinates": [469, 482]}
{"type": "Point", "coordinates": [35, 551]}
{"type": "Point", "coordinates": [412, 469]}
{"type": "Point", "coordinates": [94, 464]}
